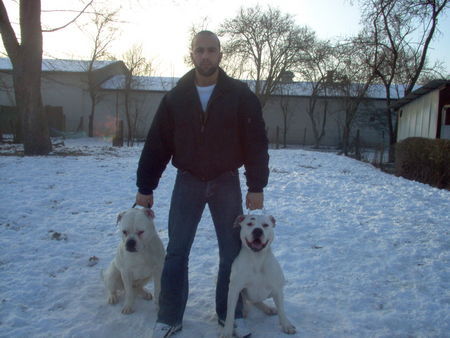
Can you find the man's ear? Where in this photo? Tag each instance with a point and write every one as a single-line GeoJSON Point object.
{"type": "Point", "coordinates": [238, 220]}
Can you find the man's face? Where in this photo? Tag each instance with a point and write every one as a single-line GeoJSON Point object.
{"type": "Point", "coordinates": [206, 54]}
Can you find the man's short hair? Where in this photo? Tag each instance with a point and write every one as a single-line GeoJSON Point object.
{"type": "Point", "coordinates": [205, 32]}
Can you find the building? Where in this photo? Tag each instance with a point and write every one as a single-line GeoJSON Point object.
{"type": "Point", "coordinates": [287, 112]}
{"type": "Point", "coordinates": [425, 112]}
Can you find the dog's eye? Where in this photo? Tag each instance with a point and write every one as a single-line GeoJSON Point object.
{"type": "Point", "coordinates": [125, 232]}
{"type": "Point", "coordinates": [265, 225]}
{"type": "Point", "coordinates": [250, 224]}
{"type": "Point", "coordinates": [140, 233]}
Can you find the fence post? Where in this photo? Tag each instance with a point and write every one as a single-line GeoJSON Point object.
{"type": "Point", "coordinates": [357, 146]}
{"type": "Point", "coordinates": [118, 138]}
{"type": "Point", "coordinates": [277, 138]}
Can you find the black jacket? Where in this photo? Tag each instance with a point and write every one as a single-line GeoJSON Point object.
{"type": "Point", "coordinates": [231, 133]}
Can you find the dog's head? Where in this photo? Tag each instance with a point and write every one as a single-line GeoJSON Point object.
{"type": "Point", "coordinates": [137, 228]}
{"type": "Point", "coordinates": [256, 231]}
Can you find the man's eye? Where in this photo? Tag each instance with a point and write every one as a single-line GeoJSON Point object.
{"type": "Point", "coordinates": [199, 50]}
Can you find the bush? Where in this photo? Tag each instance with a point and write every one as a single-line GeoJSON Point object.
{"type": "Point", "coordinates": [424, 160]}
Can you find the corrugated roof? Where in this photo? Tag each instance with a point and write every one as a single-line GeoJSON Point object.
{"type": "Point", "coordinates": [57, 65]}
{"type": "Point", "coordinates": [141, 83]}
{"type": "Point", "coordinates": [152, 83]}
{"type": "Point", "coordinates": [425, 89]}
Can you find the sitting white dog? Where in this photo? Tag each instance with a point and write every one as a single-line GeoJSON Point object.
{"type": "Point", "coordinates": [139, 258]}
{"type": "Point", "coordinates": [255, 272]}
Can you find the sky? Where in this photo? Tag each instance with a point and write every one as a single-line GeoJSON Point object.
{"type": "Point", "coordinates": [162, 26]}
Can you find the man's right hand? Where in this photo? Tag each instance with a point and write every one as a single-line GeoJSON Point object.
{"type": "Point", "coordinates": [145, 201]}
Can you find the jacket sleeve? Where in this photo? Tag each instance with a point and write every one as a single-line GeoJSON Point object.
{"type": "Point", "coordinates": [254, 142]}
{"type": "Point", "coordinates": [157, 151]}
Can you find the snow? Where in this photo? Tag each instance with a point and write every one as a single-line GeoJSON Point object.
{"type": "Point", "coordinates": [365, 254]}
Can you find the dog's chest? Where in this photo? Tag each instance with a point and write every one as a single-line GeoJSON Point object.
{"type": "Point", "coordinates": [139, 265]}
{"type": "Point", "coordinates": [257, 289]}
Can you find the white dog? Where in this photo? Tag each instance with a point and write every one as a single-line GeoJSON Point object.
{"type": "Point", "coordinates": [139, 258]}
{"type": "Point", "coordinates": [255, 272]}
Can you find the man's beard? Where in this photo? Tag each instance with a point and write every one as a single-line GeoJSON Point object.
{"type": "Point", "coordinates": [206, 72]}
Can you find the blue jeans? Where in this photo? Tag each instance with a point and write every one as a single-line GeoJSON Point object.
{"type": "Point", "coordinates": [189, 197]}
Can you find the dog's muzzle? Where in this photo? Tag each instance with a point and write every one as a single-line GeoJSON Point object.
{"type": "Point", "coordinates": [257, 244]}
{"type": "Point", "coordinates": [131, 245]}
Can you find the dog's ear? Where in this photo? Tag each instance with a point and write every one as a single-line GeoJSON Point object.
{"type": "Point", "coordinates": [238, 220]}
{"type": "Point", "coordinates": [272, 219]}
{"type": "Point", "coordinates": [149, 213]}
{"type": "Point", "coordinates": [119, 217]}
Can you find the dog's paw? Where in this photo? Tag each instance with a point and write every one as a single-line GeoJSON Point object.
{"type": "Point", "coordinates": [127, 310]}
{"type": "Point", "coordinates": [289, 328]}
{"type": "Point", "coordinates": [113, 299]}
{"type": "Point", "coordinates": [146, 295]}
{"type": "Point", "coordinates": [224, 335]}
{"type": "Point", "coordinates": [270, 311]}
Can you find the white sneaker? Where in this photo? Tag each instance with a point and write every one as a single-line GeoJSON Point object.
{"type": "Point", "coordinates": [161, 330]}
{"type": "Point", "coordinates": [240, 328]}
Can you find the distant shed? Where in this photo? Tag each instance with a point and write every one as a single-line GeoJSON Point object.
{"type": "Point", "coordinates": [425, 112]}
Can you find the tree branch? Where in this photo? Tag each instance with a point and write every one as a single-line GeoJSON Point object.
{"type": "Point", "coordinates": [70, 22]}
{"type": "Point", "coordinates": [8, 35]}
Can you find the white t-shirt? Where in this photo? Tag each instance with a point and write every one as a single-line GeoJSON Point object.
{"type": "Point", "coordinates": [205, 93]}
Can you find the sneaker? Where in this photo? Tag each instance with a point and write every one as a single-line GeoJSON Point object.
{"type": "Point", "coordinates": [240, 329]}
{"type": "Point", "coordinates": [161, 330]}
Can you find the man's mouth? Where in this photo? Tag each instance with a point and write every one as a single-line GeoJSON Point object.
{"type": "Point", "coordinates": [256, 245]}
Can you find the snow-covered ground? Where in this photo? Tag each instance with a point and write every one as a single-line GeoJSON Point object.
{"type": "Point", "coordinates": [365, 254]}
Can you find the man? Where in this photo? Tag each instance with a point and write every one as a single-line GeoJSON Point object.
{"type": "Point", "coordinates": [209, 125]}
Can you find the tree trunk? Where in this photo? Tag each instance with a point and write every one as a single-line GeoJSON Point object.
{"type": "Point", "coordinates": [26, 59]}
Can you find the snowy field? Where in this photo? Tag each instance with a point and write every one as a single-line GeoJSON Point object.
{"type": "Point", "coordinates": [365, 254]}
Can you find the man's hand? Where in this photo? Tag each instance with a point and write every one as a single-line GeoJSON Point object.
{"type": "Point", "coordinates": [254, 200]}
{"type": "Point", "coordinates": [145, 201]}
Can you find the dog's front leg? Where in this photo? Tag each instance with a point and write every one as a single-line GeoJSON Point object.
{"type": "Point", "coordinates": [284, 321]}
{"type": "Point", "coordinates": [129, 292]}
{"type": "Point", "coordinates": [233, 296]}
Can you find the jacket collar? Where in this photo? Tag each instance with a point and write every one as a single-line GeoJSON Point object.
{"type": "Point", "coordinates": [187, 82]}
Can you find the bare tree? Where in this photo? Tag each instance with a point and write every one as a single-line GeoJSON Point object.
{"type": "Point", "coordinates": [26, 59]}
{"type": "Point", "coordinates": [137, 64]}
{"type": "Point", "coordinates": [319, 67]}
{"type": "Point", "coordinates": [401, 32]}
{"type": "Point", "coordinates": [353, 79]}
{"type": "Point", "coordinates": [265, 44]}
{"type": "Point", "coordinates": [101, 37]}
{"type": "Point", "coordinates": [285, 90]}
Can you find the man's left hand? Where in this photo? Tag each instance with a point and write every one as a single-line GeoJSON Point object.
{"type": "Point", "coordinates": [254, 200]}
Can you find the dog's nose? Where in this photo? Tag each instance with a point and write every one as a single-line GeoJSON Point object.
{"type": "Point", "coordinates": [131, 245]}
{"type": "Point", "coordinates": [257, 233]}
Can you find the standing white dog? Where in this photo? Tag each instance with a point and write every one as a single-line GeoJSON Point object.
{"type": "Point", "coordinates": [139, 258]}
{"type": "Point", "coordinates": [255, 272]}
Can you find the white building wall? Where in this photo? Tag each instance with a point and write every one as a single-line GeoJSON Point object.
{"type": "Point", "coordinates": [419, 117]}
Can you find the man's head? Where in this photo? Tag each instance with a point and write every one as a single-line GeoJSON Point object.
{"type": "Point", "coordinates": [205, 53]}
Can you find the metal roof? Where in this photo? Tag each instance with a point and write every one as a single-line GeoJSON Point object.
{"type": "Point", "coordinates": [59, 65]}
{"type": "Point", "coordinates": [425, 89]}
